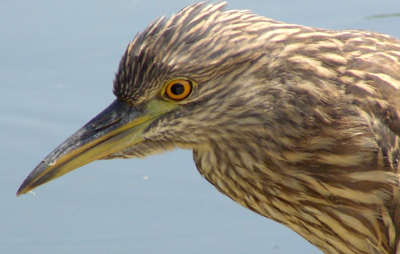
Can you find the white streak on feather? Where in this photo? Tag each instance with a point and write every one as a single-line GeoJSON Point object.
{"type": "Point", "coordinates": [313, 65]}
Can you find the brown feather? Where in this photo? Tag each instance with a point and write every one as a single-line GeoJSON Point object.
{"type": "Point", "coordinates": [298, 124]}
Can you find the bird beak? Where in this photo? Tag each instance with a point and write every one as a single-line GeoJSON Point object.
{"type": "Point", "coordinates": [117, 127]}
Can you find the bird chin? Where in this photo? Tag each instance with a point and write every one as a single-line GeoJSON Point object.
{"type": "Point", "coordinates": [141, 150]}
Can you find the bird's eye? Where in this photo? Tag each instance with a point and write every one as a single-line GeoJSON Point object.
{"type": "Point", "coordinates": [178, 89]}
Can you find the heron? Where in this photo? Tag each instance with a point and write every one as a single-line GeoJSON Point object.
{"type": "Point", "coordinates": [298, 124]}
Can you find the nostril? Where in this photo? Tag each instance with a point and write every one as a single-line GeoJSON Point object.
{"type": "Point", "coordinates": [107, 125]}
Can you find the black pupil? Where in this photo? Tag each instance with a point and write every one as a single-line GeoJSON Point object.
{"type": "Point", "coordinates": [177, 89]}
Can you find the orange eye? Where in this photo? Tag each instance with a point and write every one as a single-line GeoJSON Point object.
{"type": "Point", "coordinates": [178, 89]}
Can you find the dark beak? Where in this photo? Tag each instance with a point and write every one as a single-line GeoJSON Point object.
{"type": "Point", "coordinates": [117, 127]}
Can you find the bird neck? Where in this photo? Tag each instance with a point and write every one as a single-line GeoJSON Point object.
{"type": "Point", "coordinates": [324, 214]}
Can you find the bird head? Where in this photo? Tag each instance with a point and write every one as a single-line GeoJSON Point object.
{"type": "Point", "coordinates": [182, 82]}
{"type": "Point", "coordinates": [298, 124]}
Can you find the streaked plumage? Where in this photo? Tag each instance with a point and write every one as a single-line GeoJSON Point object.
{"type": "Point", "coordinates": [300, 125]}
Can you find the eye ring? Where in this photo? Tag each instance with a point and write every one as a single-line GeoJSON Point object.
{"type": "Point", "coordinates": [178, 89]}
